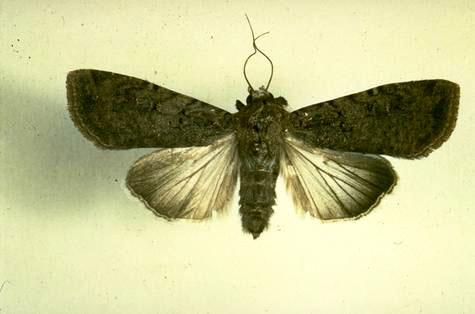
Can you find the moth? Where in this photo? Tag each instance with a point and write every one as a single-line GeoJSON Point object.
{"type": "Point", "coordinates": [328, 153]}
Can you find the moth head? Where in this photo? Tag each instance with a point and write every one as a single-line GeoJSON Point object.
{"type": "Point", "coordinates": [260, 94]}
{"type": "Point", "coordinates": [255, 96]}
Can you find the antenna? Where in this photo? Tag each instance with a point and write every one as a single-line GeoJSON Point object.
{"type": "Point", "coordinates": [256, 49]}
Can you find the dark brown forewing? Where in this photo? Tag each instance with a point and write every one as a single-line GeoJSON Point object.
{"type": "Point", "coordinates": [332, 184]}
{"type": "Point", "coordinates": [189, 182]}
{"type": "Point", "coordinates": [118, 112]}
{"type": "Point", "coordinates": [402, 119]}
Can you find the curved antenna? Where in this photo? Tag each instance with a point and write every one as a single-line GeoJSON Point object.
{"type": "Point", "coordinates": [256, 49]}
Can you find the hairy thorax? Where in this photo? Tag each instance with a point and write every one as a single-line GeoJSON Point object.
{"type": "Point", "coordinates": [259, 130]}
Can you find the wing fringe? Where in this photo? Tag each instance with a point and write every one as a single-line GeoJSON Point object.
{"type": "Point", "coordinates": [453, 99]}
{"type": "Point", "coordinates": [73, 97]}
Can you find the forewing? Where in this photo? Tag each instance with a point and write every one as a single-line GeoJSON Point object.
{"type": "Point", "coordinates": [402, 119]}
{"type": "Point", "coordinates": [187, 182]}
{"type": "Point", "coordinates": [332, 184]}
{"type": "Point", "coordinates": [118, 112]}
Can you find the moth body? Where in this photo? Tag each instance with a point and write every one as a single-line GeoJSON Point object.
{"type": "Point", "coordinates": [258, 129]}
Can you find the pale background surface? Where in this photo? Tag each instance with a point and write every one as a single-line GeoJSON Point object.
{"type": "Point", "coordinates": [73, 239]}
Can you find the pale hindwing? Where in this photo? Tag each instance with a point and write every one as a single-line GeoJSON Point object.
{"type": "Point", "coordinates": [333, 184]}
{"type": "Point", "coordinates": [187, 182]}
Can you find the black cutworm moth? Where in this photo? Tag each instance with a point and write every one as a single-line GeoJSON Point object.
{"type": "Point", "coordinates": [327, 152]}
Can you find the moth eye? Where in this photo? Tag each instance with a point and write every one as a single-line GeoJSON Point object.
{"type": "Point", "coordinates": [239, 105]}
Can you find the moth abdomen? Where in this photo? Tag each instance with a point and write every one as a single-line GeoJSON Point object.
{"type": "Point", "coordinates": [257, 196]}
{"type": "Point", "coordinates": [255, 219]}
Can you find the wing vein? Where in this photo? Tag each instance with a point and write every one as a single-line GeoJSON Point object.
{"type": "Point", "coordinates": [187, 182]}
{"type": "Point", "coordinates": [334, 184]}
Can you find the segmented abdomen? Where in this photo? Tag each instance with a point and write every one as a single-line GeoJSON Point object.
{"type": "Point", "coordinates": [257, 196]}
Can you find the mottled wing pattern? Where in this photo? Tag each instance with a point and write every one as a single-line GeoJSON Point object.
{"type": "Point", "coordinates": [187, 182]}
{"type": "Point", "coordinates": [331, 184]}
{"type": "Point", "coordinates": [119, 112]}
{"type": "Point", "coordinates": [402, 119]}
